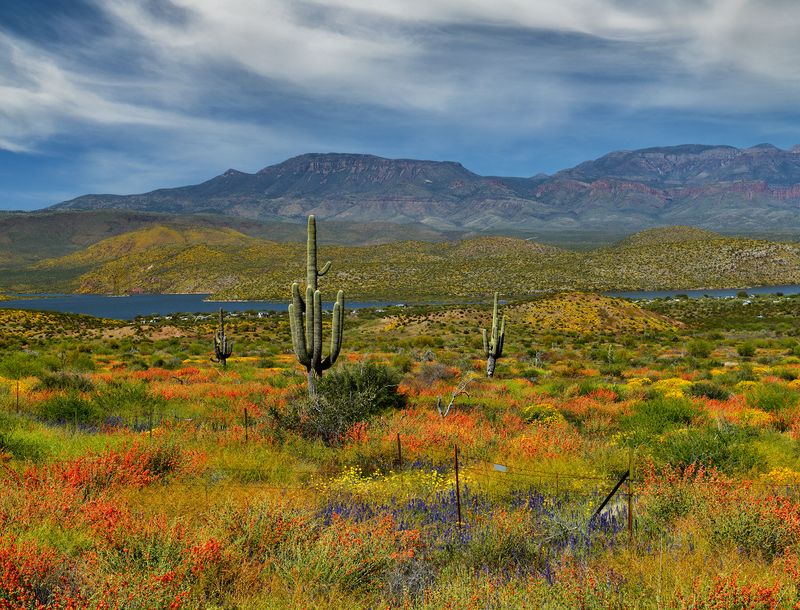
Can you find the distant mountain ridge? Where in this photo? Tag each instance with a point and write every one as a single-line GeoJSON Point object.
{"type": "Point", "coordinates": [720, 188]}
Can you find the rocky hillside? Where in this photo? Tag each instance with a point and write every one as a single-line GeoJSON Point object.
{"type": "Point", "coordinates": [234, 265]}
{"type": "Point", "coordinates": [720, 188]}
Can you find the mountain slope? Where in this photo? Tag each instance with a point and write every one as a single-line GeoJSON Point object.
{"type": "Point", "coordinates": [135, 243]}
{"type": "Point", "coordinates": [693, 165]}
{"type": "Point", "coordinates": [721, 188]}
{"type": "Point", "coordinates": [29, 237]}
{"type": "Point", "coordinates": [238, 266]}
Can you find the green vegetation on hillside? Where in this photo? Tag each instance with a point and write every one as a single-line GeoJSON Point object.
{"type": "Point", "coordinates": [230, 264]}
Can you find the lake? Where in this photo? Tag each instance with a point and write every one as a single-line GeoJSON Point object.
{"type": "Point", "coordinates": [696, 294]}
{"type": "Point", "coordinates": [128, 307]}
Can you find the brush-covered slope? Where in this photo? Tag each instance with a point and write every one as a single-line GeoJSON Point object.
{"type": "Point", "coordinates": [568, 312]}
{"type": "Point", "coordinates": [678, 257]}
{"type": "Point", "coordinates": [721, 188]}
{"type": "Point", "coordinates": [29, 237]}
{"type": "Point", "coordinates": [23, 327]}
{"type": "Point", "coordinates": [584, 314]}
{"type": "Point", "coordinates": [234, 265]}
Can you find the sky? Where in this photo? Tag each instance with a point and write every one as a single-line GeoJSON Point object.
{"type": "Point", "coordinates": [125, 96]}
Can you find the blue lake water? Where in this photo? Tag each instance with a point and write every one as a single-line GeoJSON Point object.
{"type": "Point", "coordinates": [696, 294]}
{"type": "Point", "coordinates": [128, 307]}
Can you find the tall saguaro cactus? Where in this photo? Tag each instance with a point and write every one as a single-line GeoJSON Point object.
{"type": "Point", "coordinates": [222, 348]}
{"type": "Point", "coordinates": [305, 317]}
{"type": "Point", "coordinates": [493, 345]}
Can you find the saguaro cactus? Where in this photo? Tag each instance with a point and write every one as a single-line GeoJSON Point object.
{"type": "Point", "coordinates": [493, 345]}
{"type": "Point", "coordinates": [305, 317]}
{"type": "Point", "coordinates": [222, 348]}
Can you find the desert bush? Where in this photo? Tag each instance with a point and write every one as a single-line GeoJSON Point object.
{"type": "Point", "coordinates": [709, 390]}
{"type": "Point", "coordinates": [757, 528]}
{"type": "Point", "coordinates": [658, 415]}
{"type": "Point", "coordinates": [506, 544]}
{"type": "Point", "coordinates": [771, 397]}
{"type": "Point", "coordinates": [746, 349]}
{"type": "Point", "coordinates": [727, 448]}
{"type": "Point", "coordinates": [166, 361]}
{"type": "Point", "coordinates": [615, 369]}
{"type": "Point", "coordinates": [699, 348]}
{"type": "Point", "coordinates": [22, 364]}
{"type": "Point", "coordinates": [65, 381]}
{"type": "Point", "coordinates": [80, 361]}
{"type": "Point", "coordinates": [19, 446]}
{"type": "Point", "coordinates": [432, 372]}
{"type": "Point", "coordinates": [403, 362]}
{"type": "Point", "coordinates": [346, 396]}
{"type": "Point", "coordinates": [126, 398]}
{"type": "Point", "coordinates": [542, 413]}
{"type": "Point", "coordinates": [69, 408]}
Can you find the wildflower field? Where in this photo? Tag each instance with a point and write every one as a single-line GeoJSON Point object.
{"type": "Point", "coordinates": [136, 473]}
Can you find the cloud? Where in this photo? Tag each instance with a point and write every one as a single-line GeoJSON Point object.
{"type": "Point", "coordinates": [200, 84]}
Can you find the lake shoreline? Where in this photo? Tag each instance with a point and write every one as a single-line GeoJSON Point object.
{"type": "Point", "coordinates": [128, 308]}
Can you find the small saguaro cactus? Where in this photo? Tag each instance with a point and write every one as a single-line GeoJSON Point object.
{"type": "Point", "coordinates": [493, 344]}
{"type": "Point", "coordinates": [222, 348]}
{"type": "Point", "coordinates": [305, 317]}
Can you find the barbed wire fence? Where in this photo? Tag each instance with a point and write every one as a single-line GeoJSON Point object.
{"type": "Point", "coordinates": [553, 482]}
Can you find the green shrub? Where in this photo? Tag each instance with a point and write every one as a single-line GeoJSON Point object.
{"type": "Point", "coordinates": [746, 349]}
{"type": "Point", "coordinates": [65, 381]}
{"type": "Point", "coordinates": [771, 397]}
{"type": "Point", "coordinates": [403, 362]}
{"type": "Point", "coordinates": [345, 397]}
{"type": "Point", "coordinates": [670, 502]}
{"type": "Point", "coordinates": [82, 362]}
{"type": "Point", "coordinates": [541, 414]}
{"type": "Point", "coordinates": [752, 530]}
{"type": "Point", "coordinates": [11, 441]}
{"type": "Point", "coordinates": [267, 362]}
{"type": "Point", "coordinates": [126, 399]}
{"type": "Point", "coordinates": [658, 415]}
{"type": "Point", "coordinates": [727, 448]}
{"type": "Point", "coordinates": [786, 374]}
{"type": "Point", "coordinates": [70, 408]}
{"type": "Point", "coordinates": [709, 390]}
{"type": "Point", "coordinates": [433, 372]}
{"type": "Point", "coordinates": [22, 364]}
{"type": "Point", "coordinates": [166, 361]}
{"type": "Point", "coordinates": [613, 370]}
{"type": "Point", "coordinates": [699, 348]}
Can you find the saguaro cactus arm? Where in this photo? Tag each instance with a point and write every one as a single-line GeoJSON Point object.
{"type": "Point", "coordinates": [296, 311]}
{"type": "Point", "coordinates": [337, 332]}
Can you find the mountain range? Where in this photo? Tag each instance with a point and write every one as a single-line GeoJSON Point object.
{"type": "Point", "coordinates": [753, 191]}
{"type": "Point", "coordinates": [645, 219]}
